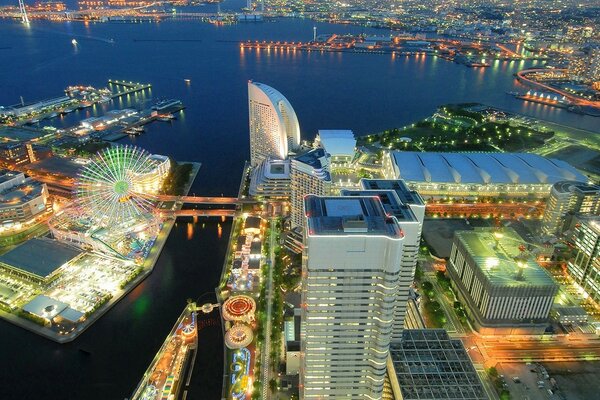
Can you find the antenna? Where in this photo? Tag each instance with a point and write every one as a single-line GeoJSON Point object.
{"type": "Point", "coordinates": [23, 11]}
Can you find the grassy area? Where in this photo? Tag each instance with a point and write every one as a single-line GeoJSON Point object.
{"type": "Point", "coordinates": [86, 149]}
{"type": "Point", "coordinates": [454, 128]}
{"type": "Point", "coordinates": [433, 312]}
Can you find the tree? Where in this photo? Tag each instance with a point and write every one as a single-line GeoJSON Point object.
{"type": "Point", "coordinates": [427, 286]}
{"type": "Point", "coordinates": [273, 385]}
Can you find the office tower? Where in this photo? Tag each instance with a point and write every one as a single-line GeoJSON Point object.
{"type": "Point", "coordinates": [504, 291]}
{"type": "Point", "coordinates": [309, 174]}
{"type": "Point", "coordinates": [584, 266]}
{"type": "Point", "coordinates": [390, 193]}
{"type": "Point", "coordinates": [350, 275]}
{"type": "Point", "coordinates": [274, 128]}
{"type": "Point", "coordinates": [569, 197]}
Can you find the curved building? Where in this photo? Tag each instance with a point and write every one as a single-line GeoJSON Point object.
{"type": "Point", "coordinates": [274, 128]}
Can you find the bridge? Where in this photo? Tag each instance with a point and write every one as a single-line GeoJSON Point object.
{"type": "Point", "coordinates": [199, 213]}
{"type": "Point", "coordinates": [198, 199]}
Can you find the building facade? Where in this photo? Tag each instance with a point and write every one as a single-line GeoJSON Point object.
{"type": "Point", "coordinates": [390, 193]}
{"type": "Point", "coordinates": [478, 175]}
{"type": "Point", "coordinates": [351, 271]}
{"type": "Point", "coordinates": [584, 266]}
{"type": "Point", "coordinates": [502, 289]}
{"type": "Point", "coordinates": [569, 197]}
{"type": "Point", "coordinates": [271, 178]}
{"type": "Point", "coordinates": [21, 199]}
{"type": "Point", "coordinates": [274, 127]}
{"type": "Point", "coordinates": [309, 174]}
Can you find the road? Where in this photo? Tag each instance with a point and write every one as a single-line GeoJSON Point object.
{"type": "Point", "coordinates": [522, 75]}
{"type": "Point", "coordinates": [266, 350]}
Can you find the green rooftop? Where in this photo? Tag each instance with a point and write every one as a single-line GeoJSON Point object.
{"type": "Point", "coordinates": [498, 256]}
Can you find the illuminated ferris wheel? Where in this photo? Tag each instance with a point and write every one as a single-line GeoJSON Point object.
{"type": "Point", "coordinates": [106, 187]}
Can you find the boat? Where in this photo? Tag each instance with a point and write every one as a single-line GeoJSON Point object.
{"type": "Point", "coordinates": [188, 81]}
{"type": "Point", "coordinates": [74, 42]}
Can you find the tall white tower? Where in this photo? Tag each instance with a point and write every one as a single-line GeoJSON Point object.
{"type": "Point", "coordinates": [350, 272]}
{"type": "Point", "coordinates": [274, 127]}
{"type": "Point", "coordinates": [23, 11]}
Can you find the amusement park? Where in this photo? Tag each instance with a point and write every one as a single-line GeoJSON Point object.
{"type": "Point", "coordinates": [102, 242]}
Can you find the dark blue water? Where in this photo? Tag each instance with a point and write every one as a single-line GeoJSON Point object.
{"type": "Point", "coordinates": [365, 93]}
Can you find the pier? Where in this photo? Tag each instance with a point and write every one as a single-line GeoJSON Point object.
{"type": "Point", "coordinates": [130, 87]}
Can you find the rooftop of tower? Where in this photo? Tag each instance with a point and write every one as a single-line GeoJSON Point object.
{"type": "Point", "coordinates": [364, 215]}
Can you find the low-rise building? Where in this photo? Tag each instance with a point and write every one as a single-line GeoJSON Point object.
{"type": "Point", "coordinates": [340, 144]}
{"type": "Point", "coordinates": [504, 291]}
{"type": "Point", "coordinates": [38, 260]}
{"type": "Point", "coordinates": [21, 199]}
{"type": "Point", "coordinates": [429, 365]}
{"type": "Point", "coordinates": [478, 175]}
{"type": "Point", "coordinates": [271, 178]}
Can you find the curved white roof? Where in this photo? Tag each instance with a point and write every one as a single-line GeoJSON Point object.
{"type": "Point", "coordinates": [337, 142]}
{"type": "Point", "coordinates": [480, 168]}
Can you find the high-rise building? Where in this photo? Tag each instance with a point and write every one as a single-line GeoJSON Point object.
{"type": "Point", "coordinates": [504, 291]}
{"type": "Point", "coordinates": [390, 193]}
{"type": "Point", "coordinates": [584, 266]}
{"type": "Point", "coordinates": [350, 275]}
{"type": "Point", "coordinates": [309, 174]}
{"type": "Point", "coordinates": [274, 128]}
{"type": "Point", "coordinates": [569, 197]}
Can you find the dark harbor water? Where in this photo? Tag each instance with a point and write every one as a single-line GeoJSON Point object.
{"type": "Point", "coordinates": [362, 92]}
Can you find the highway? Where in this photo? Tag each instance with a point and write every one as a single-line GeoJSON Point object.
{"type": "Point", "coordinates": [522, 77]}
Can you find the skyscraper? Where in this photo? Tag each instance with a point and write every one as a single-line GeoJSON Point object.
{"type": "Point", "coordinates": [584, 266]}
{"type": "Point", "coordinates": [569, 197]}
{"type": "Point", "coordinates": [309, 174]}
{"type": "Point", "coordinates": [399, 201]}
{"type": "Point", "coordinates": [274, 128]}
{"type": "Point", "coordinates": [350, 274]}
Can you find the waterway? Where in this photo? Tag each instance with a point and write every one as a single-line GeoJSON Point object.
{"type": "Point", "coordinates": [362, 92]}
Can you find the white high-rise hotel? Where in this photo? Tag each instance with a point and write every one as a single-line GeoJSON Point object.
{"type": "Point", "coordinates": [351, 272]}
{"type": "Point", "coordinates": [274, 128]}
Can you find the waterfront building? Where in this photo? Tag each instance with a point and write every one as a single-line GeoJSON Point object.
{"type": "Point", "coordinates": [151, 179]}
{"type": "Point", "coordinates": [38, 260]}
{"type": "Point", "coordinates": [429, 365]}
{"type": "Point", "coordinates": [21, 199]}
{"type": "Point", "coordinates": [271, 178]}
{"type": "Point", "coordinates": [503, 290]}
{"type": "Point", "coordinates": [274, 127]}
{"type": "Point", "coordinates": [309, 174]}
{"type": "Point", "coordinates": [351, 271]}
{"type": "Point", "coordinates": [411, 227]}
{"type": "Point", "coordinates": [584, 265]}
{"type": "Point", "coordinates": [339, 144]}
{"type": "Point", "coordinates": [477, 175]}
{"type": "Point", "coordinates": [569, 197]}
{"type": "Point", "coordinates": [21, 110]}
{"type": "Point", "coordinates": [15, 154]}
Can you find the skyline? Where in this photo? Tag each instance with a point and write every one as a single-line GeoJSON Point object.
{"type": "Point", "coordinates": [460, 130]}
